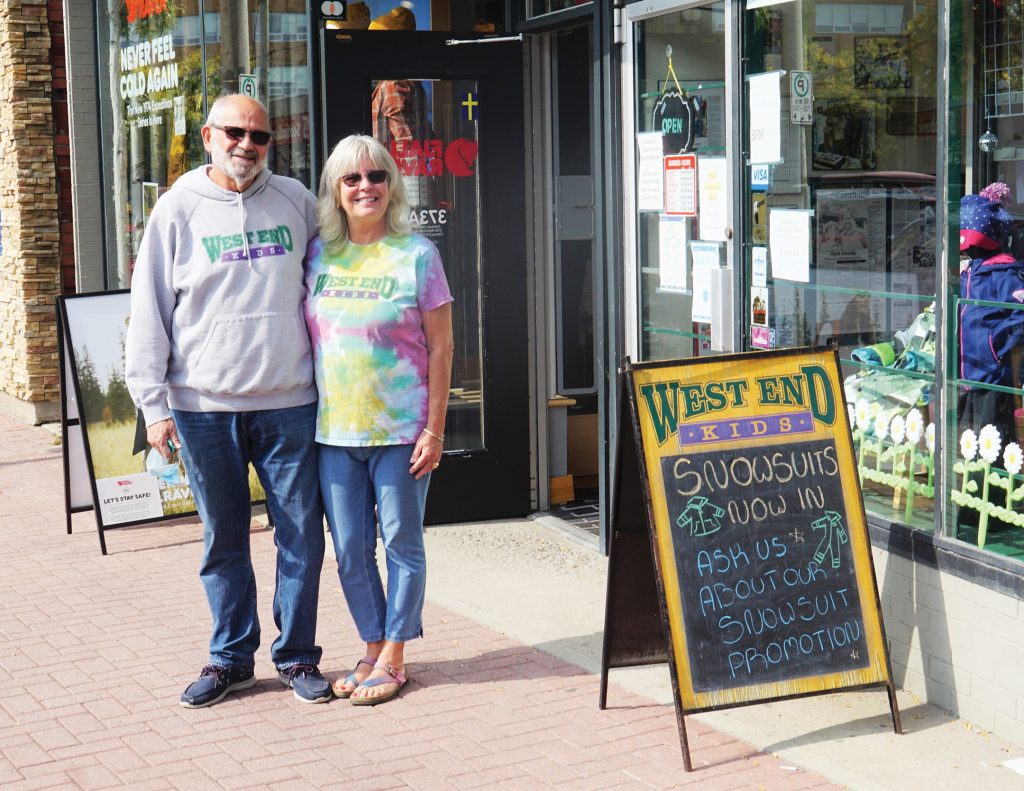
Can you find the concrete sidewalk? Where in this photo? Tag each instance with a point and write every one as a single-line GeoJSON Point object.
{"type": "Point", "coordinates": [95, 650]}
{"type": "Point", "coordinates": [546, 590]}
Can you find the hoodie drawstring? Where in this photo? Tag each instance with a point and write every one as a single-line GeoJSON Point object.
{"type": "Point", "coordinates": [245, 237]}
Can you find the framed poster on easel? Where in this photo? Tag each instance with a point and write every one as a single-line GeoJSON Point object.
{"type": "Point", "coordinates": [107, 469]}
{"type": "Point", "coordinates": [756, 582]}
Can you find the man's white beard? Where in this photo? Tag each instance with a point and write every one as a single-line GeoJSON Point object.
{"type": "Point", "coordinates": [240, 171]}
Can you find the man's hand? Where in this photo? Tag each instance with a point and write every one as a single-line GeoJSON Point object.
{"type": "Point", "coordinates": [160, 433]}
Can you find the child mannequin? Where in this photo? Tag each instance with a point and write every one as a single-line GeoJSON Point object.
{"type": "Point", "coordinates": [988, 334]}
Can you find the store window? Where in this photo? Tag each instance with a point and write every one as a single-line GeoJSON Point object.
{"type": "Point", "coordinates": [467, 16]}
{"type": "Point", "coordinates": [840, 243]}
{"type": "Point", "coordinates": [986, 314]}
{"type": "Point", "coordinates": [168, 61]}
{"type": "Point", "coordinates": [541, 7]}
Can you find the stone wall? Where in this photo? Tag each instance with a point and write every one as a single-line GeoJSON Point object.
{"type": "Point", "coordinates": [62, 144]}
{"type": "Point", "coordinates": [30, 276]}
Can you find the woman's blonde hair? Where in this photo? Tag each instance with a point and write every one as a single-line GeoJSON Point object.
{"type": "Point", "coordinates": [348, 156]}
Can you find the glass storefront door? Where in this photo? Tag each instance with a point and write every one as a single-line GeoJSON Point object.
{"type": "Point", "coordinates": [452, 117]}
{"type": "Point", "coordinates": [678, 127]}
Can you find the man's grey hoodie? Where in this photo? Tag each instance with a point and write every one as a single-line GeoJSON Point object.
{"type": "Point", "coordinates": [216, 308]}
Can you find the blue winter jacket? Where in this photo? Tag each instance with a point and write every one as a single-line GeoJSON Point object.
{"type": "Point", "coordinates": [989, 334]}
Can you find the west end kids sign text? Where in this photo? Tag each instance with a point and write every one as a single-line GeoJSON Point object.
{"type": "Point", "coordinates": [759, 527]}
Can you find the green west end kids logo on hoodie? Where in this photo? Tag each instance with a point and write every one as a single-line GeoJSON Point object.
{"type": "Point", "coordinates": [261, 244]}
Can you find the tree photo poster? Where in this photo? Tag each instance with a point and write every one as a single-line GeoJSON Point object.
{"type": "Point", "coordinates": [128, 486]}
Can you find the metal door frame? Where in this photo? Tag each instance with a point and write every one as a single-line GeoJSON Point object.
{"type": "Point", "coordinates": [638, 12]}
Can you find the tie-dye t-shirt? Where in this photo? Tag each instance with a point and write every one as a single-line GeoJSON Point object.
{"type": "Point", "coordinates": [364, 309]}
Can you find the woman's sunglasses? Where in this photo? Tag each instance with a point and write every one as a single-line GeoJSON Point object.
{"type": "Point", "coordinates": [373, 176]}
{"type": "Point", "coordinates": [237, 133]}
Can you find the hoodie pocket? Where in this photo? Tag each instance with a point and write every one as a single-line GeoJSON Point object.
{"type": "Point", "coordinates": [252, 354]}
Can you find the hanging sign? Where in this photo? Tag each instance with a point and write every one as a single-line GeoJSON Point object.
{"type": "Point", "coordinates": [681, 185]}
{"type": "Point", "coordinates": [675, 116]}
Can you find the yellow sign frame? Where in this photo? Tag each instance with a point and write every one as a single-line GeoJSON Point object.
{"type": "Point", "coordinates": [741, 394]}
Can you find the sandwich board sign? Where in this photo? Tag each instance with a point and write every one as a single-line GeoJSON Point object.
{"type": "Point", "coordinates": [758, 558]}
{"type": "Point", "coordinates": [108, 466]}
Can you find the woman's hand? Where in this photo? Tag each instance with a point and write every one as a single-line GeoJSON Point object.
{"type": "Point", "coordinates": [426, 455]}
{"type": "Point", "coordinates": [437, 328]}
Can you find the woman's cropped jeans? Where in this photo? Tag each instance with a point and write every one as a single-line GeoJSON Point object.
{"type": "Point", "coordinates": [217, 448]}
{"type": "Point", "coordinates": [354, 482]}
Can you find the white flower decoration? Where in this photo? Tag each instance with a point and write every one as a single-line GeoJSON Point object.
{"type": "Point", "coordinates": [863, 414]}
{"type": "Point", "coordinates": [898, 428]}
{"type": "Point", "coordinates": [929, 438]}
{"type": "Point", "coordinates": [968, 445]}
{"type": "Point", "coordinates": [915, 425]}
{"type": "Point", "coordinates": [881, 427]}
{"type": "Point", "coordinates": [1013, 458]}
{"type": "Point", "coordinates": [989, 443]}
{"type": "Point", "coordinates": [852, 412]}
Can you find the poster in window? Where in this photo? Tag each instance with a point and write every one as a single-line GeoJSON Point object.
{"type": "Point", "coordinates": [913, 254]}
{"type": "Point", "coordinates": [881, 62]}
{"type": "Point", "coordinates": [759, 306]}
{"type": "Point", "coordinates": [850, 229]}
{"type": "Point", "coordinates": [844, 135]}
{"type": "Point", "coordinates": [672, 268]}
{"type": "Point", "coordinates": [650, 174]}
{"type": "Point", "coordinates": [850, 257]}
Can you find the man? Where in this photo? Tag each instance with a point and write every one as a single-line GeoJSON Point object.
{"type": "Point", "coordinates": [218, 359]}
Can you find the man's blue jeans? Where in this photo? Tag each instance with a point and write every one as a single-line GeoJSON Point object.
{"type": "Point", "coordinates": [217, 449]}
{"type": "Point", "coordinates": [355, 481]}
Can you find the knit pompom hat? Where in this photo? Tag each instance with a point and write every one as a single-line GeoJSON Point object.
{"type": "Point", "coordinates": [984, 222]}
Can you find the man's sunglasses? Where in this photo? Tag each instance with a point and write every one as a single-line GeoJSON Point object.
{"type": "Point", "coordinates": [237, 133]}
{"type": "Point", "coordinates": [373, 176]}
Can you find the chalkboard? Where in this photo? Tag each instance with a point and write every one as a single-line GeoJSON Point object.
{"type": "Point", "coordinates": [757, 527]}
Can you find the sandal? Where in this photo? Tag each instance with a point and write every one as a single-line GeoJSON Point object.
{"type": "Point", "coordinates": [391, 676]}
{"type": "Point", "coordinates": [340, 687]}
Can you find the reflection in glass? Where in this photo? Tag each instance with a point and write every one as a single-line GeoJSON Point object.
{"type": "Point", "coordinates": [986, 209]}
{"type": "Point", "coordinates": [540, 7]}
{"type": "Point", "coordinates": [863, 163]}
{"type": "Point", "coordinates": [681, 97]}
{"type": "Point", "coordinates": [162, 60]}
{"type": "Point", "coordinates": [430, 128]}
{"type": "Point", "coordinates": [477, 16]}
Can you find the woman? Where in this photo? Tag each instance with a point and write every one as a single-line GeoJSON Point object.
{"type": "Point", "coordinates": [379, 314]}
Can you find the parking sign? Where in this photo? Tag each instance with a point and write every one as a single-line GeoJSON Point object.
{"type": "Point", "coordinates": [249, 85]}
{"type": "Point", "coordinates": [801, 97]}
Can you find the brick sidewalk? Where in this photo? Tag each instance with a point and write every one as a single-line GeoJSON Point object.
{"type": "Point", "coordinates": [95, 650]}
